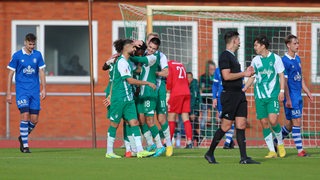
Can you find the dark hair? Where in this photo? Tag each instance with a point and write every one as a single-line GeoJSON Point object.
{"type": "Point", "coordinates": [190, 73]}
{"type": "Point", "coordinates": [262, 39]}
{"type": "Point", "coordinates": [289, 38]}
{"type": "Point", "coordinates": [30, 37]}
{"type": "Point", "coordinates": [155, 41]}
{"type": "Point", "coordinates": [105, 67]}
{"type": "Point", "coordinates": [143, 47]}
{"type": "Point", "coordinates": [229, 35]}
{"type": "Point", "coordinates": [120, 43]}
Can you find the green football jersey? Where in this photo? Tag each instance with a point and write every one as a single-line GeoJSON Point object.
{"type": "Point", "coordinates": [107, 90]}
{"type": "Point", "coordinates": [121, 89]}
{"type": "Point", "coordinates": [148, 73]}
{"type": "Point", "coordinates": [267, 71]}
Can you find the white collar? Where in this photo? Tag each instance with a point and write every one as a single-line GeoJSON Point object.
{"type": "Point", "coordinates": [291, 58]}
{"type": "Point", "coordinates": [24, 52]}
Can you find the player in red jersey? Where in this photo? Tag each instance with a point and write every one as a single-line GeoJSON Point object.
{"type": "Point", "coordinates": [179, 98]}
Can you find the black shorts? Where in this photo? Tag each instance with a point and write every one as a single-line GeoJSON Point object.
{"type": "Point", "coordinates": [234, 104]}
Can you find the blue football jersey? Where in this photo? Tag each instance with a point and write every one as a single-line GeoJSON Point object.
{"type": "Point", "coordinates": [217, 84]}
{"type": "Point", "coordinates": [293, 73]}
{"type": "Point", "coordinates": [26, 67]}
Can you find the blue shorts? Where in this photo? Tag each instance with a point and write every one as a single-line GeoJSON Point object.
{"type": "Point", "coordinates": [296, 110]}
{"type": "Point", "coordinates": [28, 103]}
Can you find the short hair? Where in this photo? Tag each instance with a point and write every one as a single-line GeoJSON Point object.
{"type": "Point", "coordinates": [210, 62]}
{"type": "Point", "coordinates": [289, 38]}
{"type": "Point", "coordinates": [155, 41]}
{"type": "Point", "coordinates": [153, 34]}
{"type": "Point", "coordinates": [262, 39]}
{"type": "Point", "coordinates": [229, 36]}
{"type": "Point", "coordinates": [30, 37]}
{"type": "Point", "coordinates": [190, 73]}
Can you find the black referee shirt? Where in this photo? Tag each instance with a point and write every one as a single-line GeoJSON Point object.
{"type": "Point", "coordinates": [228, 61]}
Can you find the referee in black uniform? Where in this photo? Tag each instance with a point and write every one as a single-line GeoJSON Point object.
{"type": "Point", "coordinates": [233, 99]}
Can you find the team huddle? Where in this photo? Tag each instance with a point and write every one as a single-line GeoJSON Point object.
{"type": "Point", "coordinates": [137, 92]}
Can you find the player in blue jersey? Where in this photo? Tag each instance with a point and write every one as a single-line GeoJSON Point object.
{"type": "Point", "coordinates": [28, 65]}
{"type": "Point", "coordinates": [216, 103]}
{"type": "Point", "coordinates": [293, 99]}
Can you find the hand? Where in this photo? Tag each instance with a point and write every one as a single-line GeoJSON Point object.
{"type": "Point", "coordinates": [43, 94]}
{"type": "Point", "coordinates": [281, 96]}
{"type": "Point", "coordinates": [214, 103]}
{"type": "Point", "coordinates": [9, 98]}
{"type": "Point", "coordinates": [244, 89]}
{"type": "Point", "coordinates": [289, 103]}
{"type": "Point", "coordinates": [138, 43]}
{"type": "Point", "coordinates": [107, 101]}
{"type": "Point", "coordinates": [310, 97]}
{"type": "Point", "coordinates": [249, 71]}
{"type": "Point", "coordinates": [153, 86]}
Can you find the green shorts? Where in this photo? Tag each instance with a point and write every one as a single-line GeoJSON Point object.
{"type": "Point", "coordinates": [146, 106]}
{"type": "Point", "coordinates": [266, 106]}
{"type": "Point", "coordinates": [125, 110]}
{"type": "Point", "coordinates": [161, 100]}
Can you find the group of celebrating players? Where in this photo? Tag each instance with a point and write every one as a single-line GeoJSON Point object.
{"type": "Point", "coordinates": [137, 91]}
{"type": "Point", "coordinates": [137, 100]}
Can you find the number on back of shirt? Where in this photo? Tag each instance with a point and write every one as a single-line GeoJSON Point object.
{"type": "Point", "coordinates": [182, 72]}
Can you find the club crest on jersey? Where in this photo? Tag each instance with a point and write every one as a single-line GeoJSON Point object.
{"type": "Point", "coordinates": [22, 60]}
{"type": "Point", "coordinates": [271, 63]}
{"type": "Point", "coordinates": [292, 66]}
{"type": "Point", "coordinates": [28, 70]}
{"type": "Point", "coordinates": [34, 60]}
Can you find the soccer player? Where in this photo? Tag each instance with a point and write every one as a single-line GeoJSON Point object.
{"type": "Point", "coordinates": [28, 65]}
{"type": "Point", "coordinates": [217, 88]}
{"type": "Point", "coordinates": [179, 99]}
{"type": "Point", "coordinates": [233, 99]}
{"type": "Point", "coordinates": [121, 99]}
{"type": "Point", "coordinates": [268, 91]}
{"type": "Point", "coordinates": [147, 98]}
{"type": "Point", "coordinates": [161, 108]}
{"type": "Point", "coordinates": [293, 103]}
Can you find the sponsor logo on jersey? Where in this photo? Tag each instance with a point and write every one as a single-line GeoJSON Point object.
{"type": "Point", "coordinates": [297, 77]}
{"type": "Point", "coordinates": [29, 70]}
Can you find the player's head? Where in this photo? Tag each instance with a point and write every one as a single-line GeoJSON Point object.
{"type": "Point", "coordinates": [141, 49]}
{"type": "Point", "coordinates": [232, 40]}
{"type": "Point", "coordinates": [151, 35]}
{"type": "Point", "coordinates": [153, 45]}
{"type": "Point", "coordinates": [124, 46]}
{"type": "Point", "coordinates": [210, 67]}
{"type": "Point", "coordinates": [190, 77]}
{"type": "Point", "coordinates": [292, 43]}
{"type": "Point", "coordinates": [261, 43]}
{"type": "Point", "coordinates": [30, 42]}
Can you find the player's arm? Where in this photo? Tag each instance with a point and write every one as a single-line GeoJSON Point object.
{"type": "Point", "coordinates": [133, 81]}
{"type": "Point", "coordinates": [228, 76]}
{"type": "Point", "coordinates": [306, 90]}
{"type": "Point", "coordinates": [169, 81]}
{"type": "Point", "coordinates": [286, 93]}
{"type": "Point", "coordinates": [164, 66]}
{"type": "Point", "coordinates": [9, 83]}
{"type": "Point", "coordinates": [42, 75]}
{"type": "Point", "coordinates": [147, 60]}
{"type": "Point", "coordinates": [282, 84]}
{"type": "Point", "coordinates": [215, 88]}
{"type": "Point", "coordinates": [248, 83]}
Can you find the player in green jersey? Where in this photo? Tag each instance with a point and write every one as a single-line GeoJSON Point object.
{"type": "Point", "coordinates": [121, 98]}
{"type": "Point", "coordinates": [268, 91]}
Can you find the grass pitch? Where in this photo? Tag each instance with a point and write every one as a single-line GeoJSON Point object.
{"type": "Point", "coordinates": [184, 164]}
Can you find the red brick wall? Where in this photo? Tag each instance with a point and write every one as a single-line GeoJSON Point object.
{"type": "Point", "coordinates": [70, 117]}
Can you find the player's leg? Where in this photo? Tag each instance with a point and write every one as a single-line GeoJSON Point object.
{"type": "Point", "coordinates": [23, 104]}
{"type": "Point", "coordinates": [144, 127]}
{"type": "Point", "coordinates": [273, 109]}
{"type": "Point", "coordinates": [229, 143]}
{"type": "Point", "coordinates": [296, 128]}
{"type": "Point", "coordinates": [114, 114]}
{"type": "Point", "coordinates": [130, 114]}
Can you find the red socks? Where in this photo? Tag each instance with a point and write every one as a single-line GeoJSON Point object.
{"type": "Point", "coordinates": [188, 129]}
{"type": "Point", "coordinates": [172, 127]}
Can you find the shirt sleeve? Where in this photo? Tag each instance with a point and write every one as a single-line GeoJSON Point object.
{"type": "Point", "coordinates": [123, 68]}
{"type": "Point", "coordinates": [224, 62]}
{"type": "Point", "coordinates": [13, 63]}
{"type": "Point", "coordinates": [279, 65]}
{"type": "Point", "coordinates": [284, 64]}
{"type": "Point", "coordinates": [41, 63]}
{"type": "Point", "coordinates": [163, 61]}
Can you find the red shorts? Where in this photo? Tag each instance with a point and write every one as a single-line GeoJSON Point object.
{"type": "Point", "coordinates": [179, 104]}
